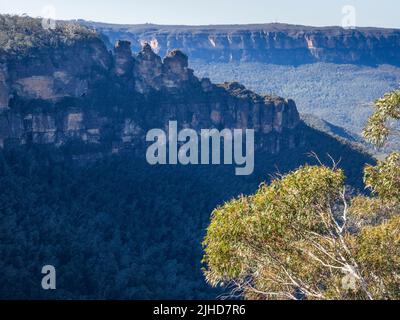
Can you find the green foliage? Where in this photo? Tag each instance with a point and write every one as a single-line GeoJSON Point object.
{"type": "Point", "coordinates": [372, 211]}
{"type": "Point", "coordinates": [262, 237]}
{"type": "Point", "coordinates": [298, 238]}
{"type": "Point", "coordinates": [384, 179]}
{"type": "Point", "coordinates": [377, 250]}
{"type": "Point", "coordinates": [377, 130]}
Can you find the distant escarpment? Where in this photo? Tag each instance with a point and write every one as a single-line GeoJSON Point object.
{"type": "Point", "coordinates": [64, 86]}
{"type": "Point", "coordinates": [268, 43]}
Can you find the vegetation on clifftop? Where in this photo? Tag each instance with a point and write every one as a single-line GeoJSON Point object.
{"type": "Point", "coordinates": [339, 94]}
{"type": "Point", "coordinates": [20, 34]}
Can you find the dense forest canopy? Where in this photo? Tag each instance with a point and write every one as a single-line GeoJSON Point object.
{"type": "Point", "coordinates": [120, 228]}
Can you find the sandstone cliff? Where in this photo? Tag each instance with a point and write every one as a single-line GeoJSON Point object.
{"type": "Point", "coordinates": [78, 91]}
{"type": "Point", "coordinates": [269, 43]}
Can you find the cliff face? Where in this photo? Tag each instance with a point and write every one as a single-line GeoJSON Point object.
{"type": "Point", "coordinates": [269, 43]}
{"type": "Point", "coordinates": [83, 93]}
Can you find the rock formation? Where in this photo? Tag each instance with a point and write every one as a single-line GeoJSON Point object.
{"type": "Point", "coordinates": [124, 61]}
{"type": "Point", "coordinates": [84, 93]}
{"type": "Point", "coordinates": [268, 43]}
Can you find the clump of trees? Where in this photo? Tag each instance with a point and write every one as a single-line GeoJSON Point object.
{"type": "Point", "coordinates": [19, 34]}
{"type": "Point", "coordinates": [305, 237]}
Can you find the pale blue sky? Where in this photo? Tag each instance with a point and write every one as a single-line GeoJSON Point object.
{"type": "Point", "coordinates": [377, 13]}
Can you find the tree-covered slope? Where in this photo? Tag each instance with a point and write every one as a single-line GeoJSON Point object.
{"type": "Point", "coordinates": [340, 94]}
{"type": "Point", "coordinates": [120, 228]}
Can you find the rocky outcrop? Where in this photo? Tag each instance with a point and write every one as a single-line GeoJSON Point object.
{"type": "Point", "coordinates": [176, 69]}
{"type": "Point", "coordinates": [149, 69]}
{"type": "Point", "coordinates": [83, 93]}
{"type": "Point", "coordinates": [268, 43]}
{"type": "Point", "coordinates": [51, 74]}
{"type": "Point", "coordinates": [124, 61]}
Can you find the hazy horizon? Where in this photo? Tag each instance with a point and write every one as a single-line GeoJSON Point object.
{"type": "Point", "coordinates": [208, 12]}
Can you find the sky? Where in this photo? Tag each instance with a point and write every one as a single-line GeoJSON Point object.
{"type": "Point", "coordinates": [374, 13]}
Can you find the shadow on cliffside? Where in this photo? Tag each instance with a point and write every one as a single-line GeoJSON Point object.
{"type": "Point", "coordinates": [119, 228]}
{"type": "Point", "coordinates": [75, 195]}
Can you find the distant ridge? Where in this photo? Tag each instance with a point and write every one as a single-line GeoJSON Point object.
{"type": "Point", "coordinates": [275, 26]}
{"type": "Point", "coordinates": [273, 43]}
